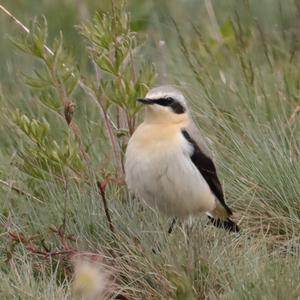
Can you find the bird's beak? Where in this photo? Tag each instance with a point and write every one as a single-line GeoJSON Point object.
{"type": "Point", "coordinates": [145, 101]}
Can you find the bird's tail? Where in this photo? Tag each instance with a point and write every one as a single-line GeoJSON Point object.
{"type": "Point", "coordinates": [227, 224]}
{"type": "Point", "coordinates": [220, 217]}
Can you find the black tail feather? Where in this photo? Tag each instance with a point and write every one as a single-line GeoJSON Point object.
{"type": "Point", "coordinates": [228, 224]}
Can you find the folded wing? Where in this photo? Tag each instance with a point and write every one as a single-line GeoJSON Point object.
{"type": "Point", "coordinates": [202, 160]}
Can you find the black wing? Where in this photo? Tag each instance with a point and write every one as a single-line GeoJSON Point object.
{"type": "Point", "coordinates": [208, 170]}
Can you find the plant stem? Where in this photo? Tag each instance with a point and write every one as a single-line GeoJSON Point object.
{"type": "Point", "coordinates": [213, 20]}
{"type": "Point", "coordinates": [19, 191]}
{"type": "Point", "coordinates": [20, 24]}
{"type": "Point", "coordinates": [103, 196]}
{"type": "Point", "coordinates": [114, 143]}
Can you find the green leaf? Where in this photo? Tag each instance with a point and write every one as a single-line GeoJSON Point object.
{"type": "Point", "coordinates": [227, 30]}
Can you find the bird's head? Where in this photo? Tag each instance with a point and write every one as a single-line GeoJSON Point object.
{"type": "Point", "coordinates": [165, 104]}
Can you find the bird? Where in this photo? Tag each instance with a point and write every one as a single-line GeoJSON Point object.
{"type": "Point", "coordinates": [168, 163]}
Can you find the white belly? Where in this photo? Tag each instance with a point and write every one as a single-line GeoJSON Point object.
{"type": "Point", "coordinates": [167, 179]}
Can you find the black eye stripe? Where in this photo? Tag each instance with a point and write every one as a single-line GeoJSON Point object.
{"type": "Point", "coordinates": [164, 101]}
{"type": "Point", "coordinates": [176, 106]}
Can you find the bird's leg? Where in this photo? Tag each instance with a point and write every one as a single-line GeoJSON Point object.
{"type": "Point", "coordinates": [172, 226]}
{"type": "Point", "coordinates": [170, 230]}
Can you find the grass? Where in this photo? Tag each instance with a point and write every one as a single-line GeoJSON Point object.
{"type": "Point", "coordinates": [244, 93]}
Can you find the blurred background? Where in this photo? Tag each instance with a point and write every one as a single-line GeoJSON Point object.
{"type": "Point", "coordinates": [151, 15]}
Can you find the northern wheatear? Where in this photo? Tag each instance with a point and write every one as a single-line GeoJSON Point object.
{"type": "Point", "coordinates": [168, 163]}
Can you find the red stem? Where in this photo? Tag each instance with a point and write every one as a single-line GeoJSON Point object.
{"type": "Point", "coordinates": [103, 196]}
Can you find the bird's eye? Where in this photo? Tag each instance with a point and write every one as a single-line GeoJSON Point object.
{"type": "Point", "coordinates": [169, 100]}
